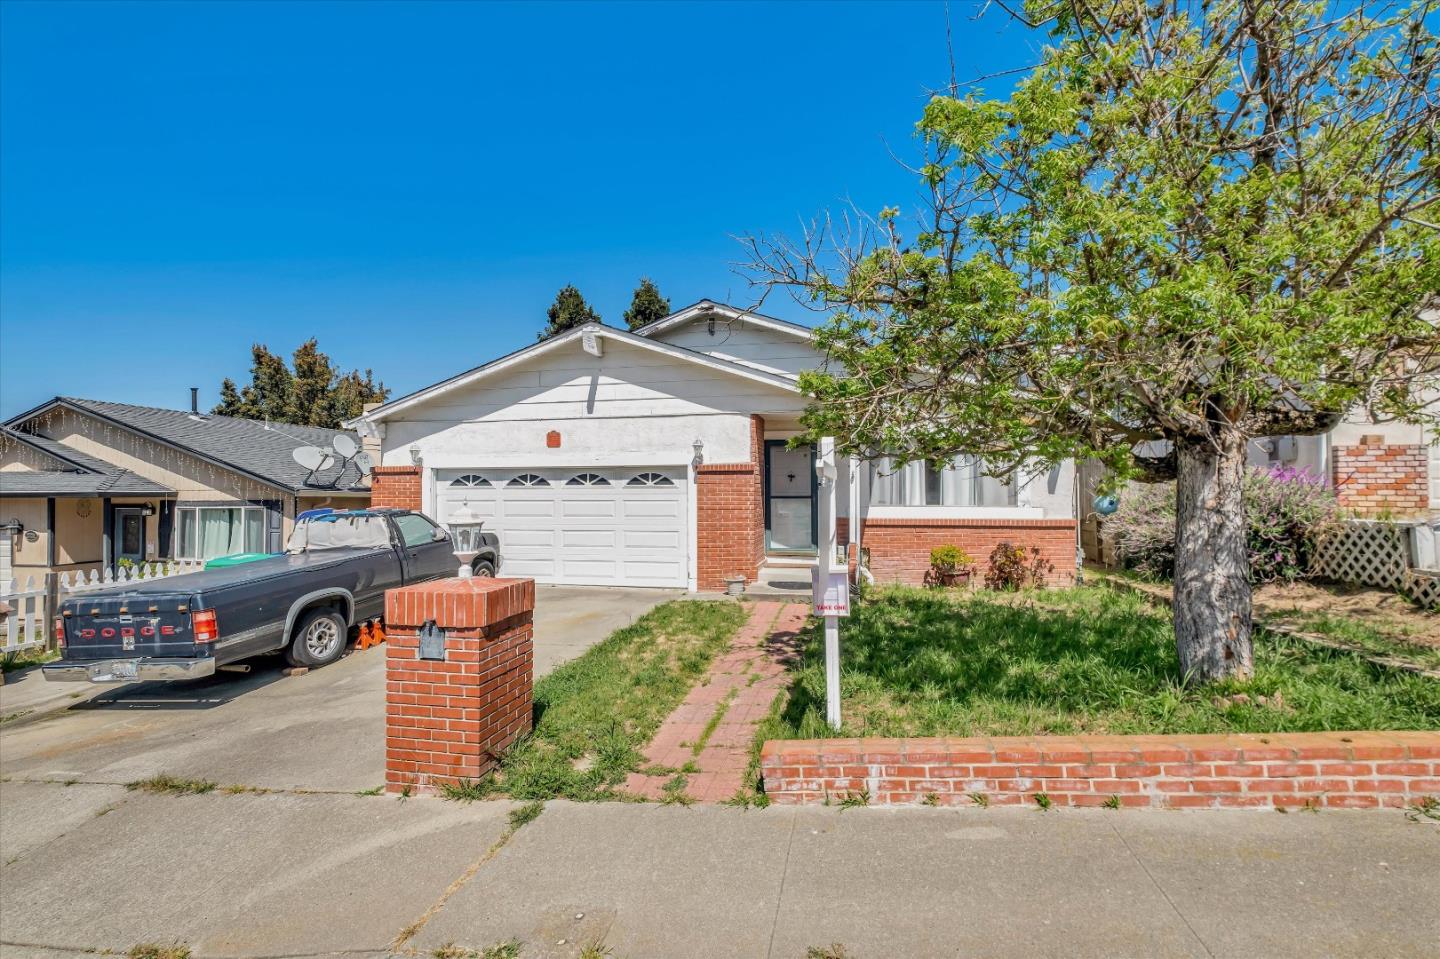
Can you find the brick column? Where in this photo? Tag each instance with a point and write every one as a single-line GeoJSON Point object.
{"type": "Point", "coordinates": [1375, 477]}
{"type": "Point", "coordinates": [730, 500]}
{"type": "Point", "coordinates": [450, 719]}
{"type": "Point", "coordinates": [397, 486]}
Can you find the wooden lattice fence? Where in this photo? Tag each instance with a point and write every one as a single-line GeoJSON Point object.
{"type": "Point", "coordinates": [1378, 553]}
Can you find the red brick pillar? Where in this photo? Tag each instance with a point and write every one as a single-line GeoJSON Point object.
{"type": "Point", "coordinates": [1376, 477]}
{"type": "Point", "coordinates": [397, 486]}
{"type": "Point", "coordinates": [450, 719]}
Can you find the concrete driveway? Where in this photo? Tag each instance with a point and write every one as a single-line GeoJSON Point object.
{"type": "Point", "coordinates": [322, 731]}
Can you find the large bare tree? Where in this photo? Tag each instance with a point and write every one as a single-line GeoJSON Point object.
{"type": "Point", "coordinates": [1196, 222]}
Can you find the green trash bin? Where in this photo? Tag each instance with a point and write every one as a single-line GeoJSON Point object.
{"type": "Point", "coordinates": [235, 559]}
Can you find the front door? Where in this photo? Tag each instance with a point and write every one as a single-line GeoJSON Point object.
{"type": "Point", "coordinates": [129, 534]}
{"type": "Point", "coordinates": [789, 498]}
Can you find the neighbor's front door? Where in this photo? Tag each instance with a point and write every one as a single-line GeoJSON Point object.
{"type": "Point", "coordinates": [789, 498]}
{"type": "Point", "coordinates": [129, 535]}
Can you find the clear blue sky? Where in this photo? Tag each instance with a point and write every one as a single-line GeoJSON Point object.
{"type": "Point", "coordinates": [412, 183]}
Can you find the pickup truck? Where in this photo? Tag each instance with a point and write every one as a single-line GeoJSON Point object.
{"type": "Point", "coordinates": [333, 575]}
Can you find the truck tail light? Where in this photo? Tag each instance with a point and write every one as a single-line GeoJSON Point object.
{"type": "Point", "coordinates": [60, 632]}
{"type": "Point", "coordinates": [207, 630]}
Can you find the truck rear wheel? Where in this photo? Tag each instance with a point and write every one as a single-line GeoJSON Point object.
{"type": "Point", "coordinates": [484, 567]}
{"type": "Point", "coordinates": [319, 639]}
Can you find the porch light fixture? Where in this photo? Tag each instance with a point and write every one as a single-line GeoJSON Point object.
{"type": "Point", "coordinates": [465, 526]}
{"type": "Point", "coordinates": [699, 447]}
{"type": "Point", "coordinates": [147, 510]}
{"type": "Point", "coordinates": [414, 454]}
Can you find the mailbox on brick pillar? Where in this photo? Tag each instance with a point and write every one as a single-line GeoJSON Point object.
{"type": "Point", "coordinates": [459, 669]}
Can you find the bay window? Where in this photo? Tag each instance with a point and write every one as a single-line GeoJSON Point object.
{"type": "Point", "coordinates": [205, 532]}
{"type": "Point", "coordinates": [958, 482]}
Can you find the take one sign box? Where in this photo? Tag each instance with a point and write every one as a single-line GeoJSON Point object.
{"type": "Point", "coordinates": [830, 592]}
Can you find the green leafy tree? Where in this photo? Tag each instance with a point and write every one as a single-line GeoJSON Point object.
{"type": "Point", "coordinates": [646, 305]}
{"type": "Point", "coordinates": [567, 312]}
{"type": "Point", "coordinates": [1193, 224]}
{"type": "Point", "coordinates": [314, 394]}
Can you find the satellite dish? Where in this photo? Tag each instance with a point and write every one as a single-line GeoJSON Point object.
{"type": "Point", "coordinates": [344, 445]}
{"type": "Point", "coordinates": [364, 462]}
{"type": "Point", "coordinates": [310, 457]}
{"type": "Point", "coordinates": [327, 460]}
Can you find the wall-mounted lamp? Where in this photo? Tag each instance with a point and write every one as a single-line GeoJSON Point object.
{"type": "Point", "coordinates": [147, 510]}
{"type": "Point", "coordinates": [699, 447]}
{"type": "Point", "coordinates": [415, 454]}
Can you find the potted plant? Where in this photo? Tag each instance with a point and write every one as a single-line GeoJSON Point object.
{"type": "Point", "coordinates": [949, 566]}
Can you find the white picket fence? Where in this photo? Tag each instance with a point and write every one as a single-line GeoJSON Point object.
{"type": "Point", "coordinates": [24, 611]}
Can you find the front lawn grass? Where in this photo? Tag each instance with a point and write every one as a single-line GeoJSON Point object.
{"type": "Point", "coordinates": [597, 712]}
{"type": "Point", "coordinates": [1085, 660]}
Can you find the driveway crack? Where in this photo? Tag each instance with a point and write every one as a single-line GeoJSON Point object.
{"type": "Point", "coordinates": [1161, 889]}
{"type": "Point", "coordinates": [780, 895]}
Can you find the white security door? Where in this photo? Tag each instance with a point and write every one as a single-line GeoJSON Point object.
{"type": "Point", "coordinates": [585, 526]}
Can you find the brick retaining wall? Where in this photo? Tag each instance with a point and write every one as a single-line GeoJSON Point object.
{"type": "Point", "coordinates": [900, 548]}
{"type": "Point", "coordinates": [1352, 770]}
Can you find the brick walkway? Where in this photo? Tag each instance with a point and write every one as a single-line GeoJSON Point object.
{"type": "Point", "coordinates": [739, 689]}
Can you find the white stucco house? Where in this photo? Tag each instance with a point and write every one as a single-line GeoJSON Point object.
{"type": "Point", "coordinates": [658, 457]}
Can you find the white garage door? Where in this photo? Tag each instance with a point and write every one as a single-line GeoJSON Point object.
{"type": "Point", "coordinates": [603, 527]}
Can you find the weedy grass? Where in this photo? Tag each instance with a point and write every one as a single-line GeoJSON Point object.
{"type": "Point", "coordinates": [150, 950]}
{"type": "Point", "coordinates": [919, 662]}
{"type": "Point", "coordinates": [528, 813]}
{"type": "Point", "coordinates": [608, 703]}
{"type": "Point", "coordinates": [468, 790]}
{"type": "Point", "coordinates": [1378, 638]}
{"type": "Point", "coordinates": [833, 951]}
{"type": "Point", "coordinates": [172, 785]}
{"type": "Point", "coordinates": [501, 950]}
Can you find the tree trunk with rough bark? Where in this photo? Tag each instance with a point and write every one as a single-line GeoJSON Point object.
{"type": "Point", "coordinates": [1212, 564]}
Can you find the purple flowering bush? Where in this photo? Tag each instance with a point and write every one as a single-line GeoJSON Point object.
{"type": "Point", "coordinates": [1289, 511]}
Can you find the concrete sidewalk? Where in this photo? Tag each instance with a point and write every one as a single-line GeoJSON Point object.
{"type": "Point", "coordinates": [281, 874]}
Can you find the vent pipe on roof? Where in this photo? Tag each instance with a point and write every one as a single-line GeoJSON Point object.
{"type": "Point", "coordinates": [194, 399]}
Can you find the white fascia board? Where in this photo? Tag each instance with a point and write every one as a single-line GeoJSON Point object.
{"type": "Point", "coordinates": [546, 346]}
{"type": "Point", "coordinates": [705, 307]}
{"type": "Point", "coordinates": [954, 512]}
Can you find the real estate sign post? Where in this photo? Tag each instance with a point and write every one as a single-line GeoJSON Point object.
{"type": "Point", "coordinates": [831, 583]}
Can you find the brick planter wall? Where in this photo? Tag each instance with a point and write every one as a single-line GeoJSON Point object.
{"type": "Point", "coordinates": [730, 525]}
{"type": "Point", "coordinates": [900, 548]}
{"type": "Point", "coordinates": [1358, 770]}
{"type": "Point", "coordinates": [447, 720]}
{"type": "Point", "coordinates": [1374, 477]}
{"type": "Point", "coordinates": [397, 486]}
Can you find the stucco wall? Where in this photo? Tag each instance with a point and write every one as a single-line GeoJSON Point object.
{"type": "Point", "coordinates": [29, 559]}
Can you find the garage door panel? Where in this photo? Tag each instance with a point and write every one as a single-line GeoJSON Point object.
{"type": "Point", "coordinates": [528, 507]}
{"type": "Point", "coordinates": [578, 538]}
{"type": "Point", "coordinates": [595, 570]}
{"type": "Point", "coordinates": [603, 533]}
{"type": "Point", "coordinates": [667, 540]}
{"type": "Point", "coordinates": [527, 537]}
{"type": "Point", "coordinates": [652, 506]}
{"type": "Point", "coordinates": [574, 508]}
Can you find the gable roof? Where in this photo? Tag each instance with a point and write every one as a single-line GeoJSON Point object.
{"type": "Point", "coordinates": [79, 475]}
{"type": "Point", "coordinates": [260, 450]}
{"type": "Point", "coordinates": [678, 353]}
{"type": "Point", "coordinates": [711, 308]}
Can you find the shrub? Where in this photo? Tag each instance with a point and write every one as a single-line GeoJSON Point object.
{"type": "Point", "coordinates": [947, 563]}
{"type": "Point", "coordinates": [950, 559]}
{"type": "Point", "coordinates": [1288, 511]}
{"type": "Point", "coordinates": [1011, 567]}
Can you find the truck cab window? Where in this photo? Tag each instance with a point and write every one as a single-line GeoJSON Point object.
{"type": "Point", "coordinates": [416, 530]}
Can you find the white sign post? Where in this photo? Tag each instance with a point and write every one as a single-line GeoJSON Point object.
{"type": "Point", "coordinates": [831, 583]}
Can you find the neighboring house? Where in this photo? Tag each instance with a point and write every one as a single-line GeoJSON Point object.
{"type": "Point", "coordinates": [659, 457]}
{"type": "Point", "coordinates": [86, 484]}
{"type": "Point", "coordinates": [1376, 468]}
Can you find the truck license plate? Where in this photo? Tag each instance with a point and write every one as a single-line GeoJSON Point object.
{"type": "Point", "coordinates": [127, 670]}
